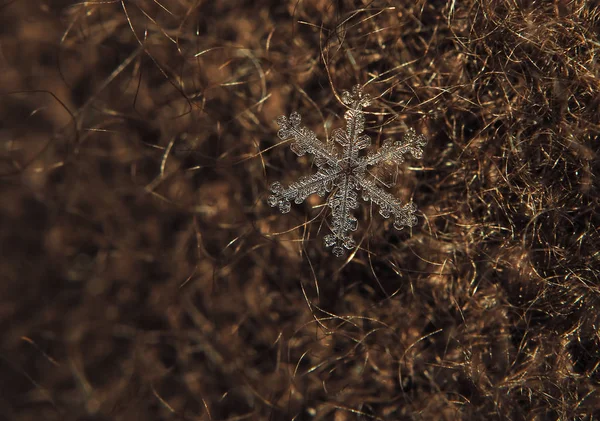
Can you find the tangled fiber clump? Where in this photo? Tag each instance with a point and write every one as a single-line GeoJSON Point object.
{"type": "Point", "coordinates": [145, 277]}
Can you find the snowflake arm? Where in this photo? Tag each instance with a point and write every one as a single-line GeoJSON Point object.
{"type": "Point", "coordinates": [320, 183]}
{"type": "Point", "coordinates": [395, 150]}
{"type": "Point", "coordinates": [352, 139]}
{"type": "Point", "coordinates": [305, 140]}
{"type": "Point", "coordinates": [342, 203]}
{"type": "Point", "coordinates": [404, 215]}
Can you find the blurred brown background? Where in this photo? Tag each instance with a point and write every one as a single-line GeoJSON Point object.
{"type": "Point", "coordinates": [144, 277]}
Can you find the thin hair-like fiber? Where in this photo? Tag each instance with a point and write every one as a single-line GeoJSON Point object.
{"type": "Point", "coordinates": [145, 277]}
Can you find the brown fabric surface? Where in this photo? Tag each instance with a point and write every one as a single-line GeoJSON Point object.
{"type": "Point", "coordinates": [144, 276]}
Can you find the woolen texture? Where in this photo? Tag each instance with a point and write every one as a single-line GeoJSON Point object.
{"type": "Point", "coordinates": [145, 277]}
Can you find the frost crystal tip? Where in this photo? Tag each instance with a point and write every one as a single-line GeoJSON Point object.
{"type": "Point", "coordinates": [345, 172]}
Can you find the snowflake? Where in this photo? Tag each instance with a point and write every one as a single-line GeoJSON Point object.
{"type": "Point", "coordinates": [344, 172]}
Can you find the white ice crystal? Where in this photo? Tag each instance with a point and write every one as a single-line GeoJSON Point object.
{"type": "Point", "coordinates": [344, 172]}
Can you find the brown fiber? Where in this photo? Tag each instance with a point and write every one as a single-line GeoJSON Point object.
{"type": "Point", "coordinates": [144, 277]}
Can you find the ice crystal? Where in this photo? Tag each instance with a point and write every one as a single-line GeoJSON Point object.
{"type": "Point", "coordinates": [345, 172]}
